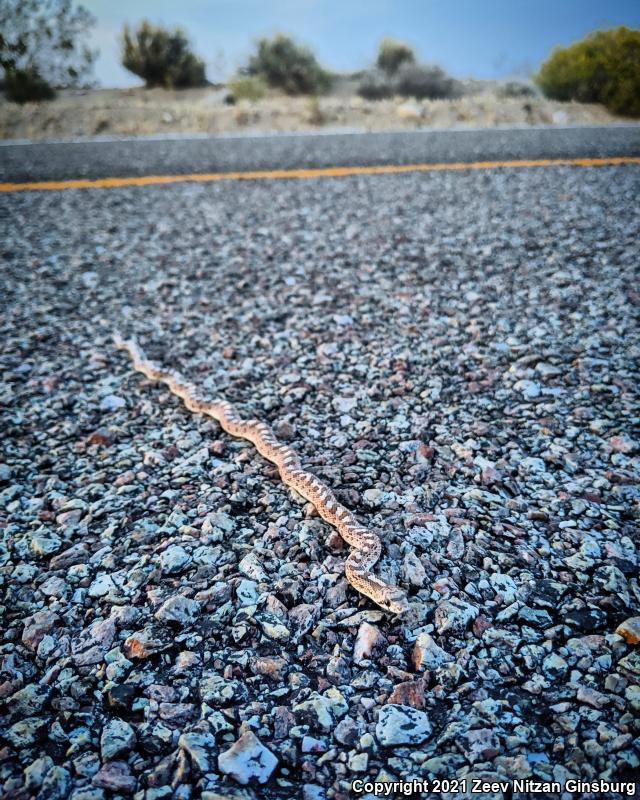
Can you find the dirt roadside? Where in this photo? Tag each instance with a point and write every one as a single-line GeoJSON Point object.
{"type": "Point", "coordinates": [137, 112]}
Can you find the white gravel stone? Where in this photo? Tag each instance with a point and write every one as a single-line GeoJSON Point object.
{"type": "Point", "coordinates": [399, 725]}
{"type": "Point", "coordinates": [178, 609]}
{"type": "Point", "coordinates": [247, 760]}
{"type": "Point", "coordinates": [117, 737]}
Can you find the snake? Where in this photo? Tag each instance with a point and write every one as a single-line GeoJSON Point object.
{"type": "Point", "coordinates": [365, 545]}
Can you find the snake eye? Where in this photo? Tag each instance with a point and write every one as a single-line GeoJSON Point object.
{"type": "Point", "coordinates": [396, 602]}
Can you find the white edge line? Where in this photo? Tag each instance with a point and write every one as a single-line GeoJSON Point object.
{"type": "Point", "coordinates": [185, 137]}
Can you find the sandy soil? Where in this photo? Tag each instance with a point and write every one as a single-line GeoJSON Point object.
{"type": "Point", "coordinates": [142, 111]}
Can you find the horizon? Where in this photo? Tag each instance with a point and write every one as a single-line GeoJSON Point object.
{"type": "Point", "coordinates": [497, 39]}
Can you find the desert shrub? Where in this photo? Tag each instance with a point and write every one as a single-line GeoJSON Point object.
{"type": "Point", "coordinates": [161, 57]}
{"type": "Point", "coordinates": [42, 47]}
{"type": "Point", "coordinates": [392, 54]}
{"type": "Point", "coordinates": [602, 68]}
{"type": "Point", "coordinates": [376, 85]}
{"type": "Point", "coordinates": [246, 87]}
{"type": "Point", "coordinates": [414, 80]}
{"type": "Point", "coordinates": [27, 85]}
{"type": "Point", "coordinates": [515, 89]}
{"type": "Point", "coordinates": [411, 80]}
{"type": "Point", "coordinates": [315, 113]}
{"type": "Point", "coordinates": [286, 65]}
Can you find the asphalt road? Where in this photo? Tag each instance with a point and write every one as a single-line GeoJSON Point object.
{"type": "Point", "coordinates": [454, 353]}
{"type": "Point", "coordinates": [101, 158]}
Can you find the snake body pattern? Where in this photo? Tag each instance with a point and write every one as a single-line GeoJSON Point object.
{"type": "Point", "coordinates": [365, 544]}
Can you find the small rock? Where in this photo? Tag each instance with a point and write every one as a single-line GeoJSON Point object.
{"type": "Point", "coordinates": [413, 571]}
{"type": "Point", "coordinates": [220, 692]}
{"type": "Point", "coordinates": [247, 592]}
{"type": "Point", "coordinates": [174, 559]}
{"type": "Point", "coordinates": [273, 628]}
{"type": "Point", "coordinates": [399, 725]}
{"type": "Point", "coordinates": [529, 389]}
{"type": "Point", "coordinates": [454, 615]}
{"type": "Point", "coordinates": [117, 737]}
{"type": "Point", "coordinates": [248, 759]}
{"type": "Point", "coordinates": [45, 543]}
{"type": "Point", "coordinates": [29, 701]}
{"type": "Point", "coordinates": [358, 762]}
{"type": "Point", "coordinates": [37, 626]}
{"type": "Point", "coordinates": [630, 630]}
{"type": "Point", "coordinates": [252, 568]}
{"type": "Point", "coordinates": [554, 666]}
{"type": "Point", "coordinates": [112, 403]}
{"type": "Point", "coordinates": [480, 745]}
{"type": "Point", "coordinates": [101, 436]}
{"type": "Point", "coordinates": [632, 694]}
{"type": "Point", "coordinates": [367, 639]}
{"type": "Point", "coordinates": [102, 586]}
{"type": "Point", "coordinates": [303, 617]}
{"type": "Point", "coordinates": [93, 643]}
{"type": "Point", "coordinates": [35, 772]}
{"type": "Point", "coordinates": [428, 655]}
{"type": "Point", "coordinates": [311, 791]}
{"type": "Point", "coordinates": [592, 697]}
{"type": "Point", "coordinates": [121, 697]}
{"type": "Point", "coordinates": [56, 785]}
{"type": "Point", "coordinates": [199, 746]}
{"type": "Point", "coordinates": [316, 711]}
{"type": "Point", "coordinates": [622, 444]}
{"type": "Point", "coordinates": [116, 777]}
{"type": "Point", "coordinates": [409, 693]}
{"type": "Point", "coordinates": [346, 732]}
{"type": "Point", "coordinates": [145, 643]}
{"type": "Point", "coordinates": [504, 586]}
{"type": "Point", "coordinates": [373, 497]}
{"type": "Point", "coordinates": [273, 666]}
{"type": "Point", "coordinates": [178, 609]}
{"type": "Point", "coordinates": [311, 745]}
{"type": "Point", "coordinates": [26, 732]}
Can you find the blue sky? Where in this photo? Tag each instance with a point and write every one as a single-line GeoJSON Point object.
{"type": "Point", "coordinates": [479, 38]}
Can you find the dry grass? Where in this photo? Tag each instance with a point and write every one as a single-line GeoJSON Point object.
{"type": "Point", "coordinates": [135, 112]}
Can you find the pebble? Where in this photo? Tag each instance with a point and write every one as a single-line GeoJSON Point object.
{"type": "Point", "coordinates": [178, 609]}
{"type": "Point", "coordinates": [117, 737]}
{"type": "Point", "coordinates": [428, 655]}
{"type": "Point", "coordinates": [630, 630]}
{"type": "Point", "coordinates": [454, 615]}
{"type": "Point", "coordinates": [368, 638]}
{"type": "Point", "coordinates": [248, 759]}
{"type": "Point", "coordinates": [399, 725]}
{"type": "Point", "coordinates": [174, 559]}
{"type": "Point", "coordinates": [116, 777]}
{"type": "Point", "coordinates": [112, 403]}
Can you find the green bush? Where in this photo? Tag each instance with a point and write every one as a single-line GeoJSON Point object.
{"type": "Point", "coordinates": [411, 80]}
{"type": "Point", "coordinates": [161, 57]}
{"type": "Point", "coordinates": [392, 54]}
{"type": "Point", "coordinates": [288, 66]}
{"type": "Point", "coordinates": [27, 85]}
{"type": "Point", "coordinates": [246, 87]}
{"type": "Point", "coordinates": [602, 68]}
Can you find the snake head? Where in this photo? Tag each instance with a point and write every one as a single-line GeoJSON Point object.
{"type": "Point", "coordinates": [394, 600]}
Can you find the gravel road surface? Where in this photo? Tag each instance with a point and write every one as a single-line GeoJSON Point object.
{"type": "Point", "coordinates": [180, 155]}
{"type": "Point", "coordinates": [455, 353]}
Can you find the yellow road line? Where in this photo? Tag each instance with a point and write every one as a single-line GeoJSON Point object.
{"type": "Point", "coordinates": [322, 172]}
